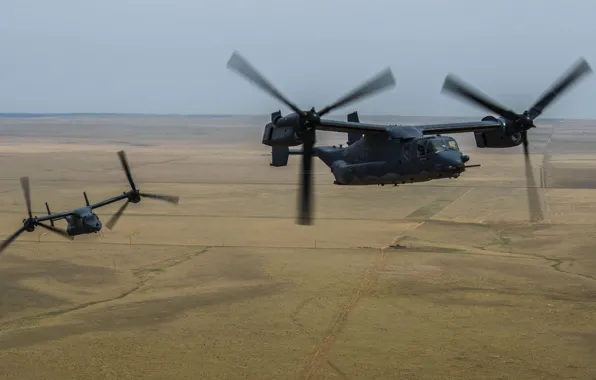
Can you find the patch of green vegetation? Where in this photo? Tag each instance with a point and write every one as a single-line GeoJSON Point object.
{"type": "Point", "coordinates": [447, 250]}
{"type": "Point", "coordinates": [159, 270]}
{"type": "Point", "coordinates": [438, 249]}
{"type": "Point", "coordinates": [397, 246]}
{"type": "Point", "coordinates": [408, 238]}
{"type": "Point", "coordinates": [500, 241]}
{"type": "Point", "coordinates": [504, 240]}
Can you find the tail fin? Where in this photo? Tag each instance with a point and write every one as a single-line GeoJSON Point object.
{"type": "Point", "coordinates": [353, 136]}
{"type": "Point", "coordinates": [49, 213]}
{"type": "Point", "coordinates": [279, 155]}
{"type": "Point", "coordinates": [275, 115]}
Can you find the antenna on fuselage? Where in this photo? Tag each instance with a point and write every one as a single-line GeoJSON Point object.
{"type": "Point", "coordinates": [49, 213]}
{"type": "Point", "coordinates": [86, 199]}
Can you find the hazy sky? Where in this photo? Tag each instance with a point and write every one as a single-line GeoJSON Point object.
{"type": "Point", "coordinates": [170, 56]}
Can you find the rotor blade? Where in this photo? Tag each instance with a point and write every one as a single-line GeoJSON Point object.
{"type": "Point", "coordinates": [240, 65]}
{"type": "Point", "coordinates": [380, 82]}
{"type": "Point", "coordinates": [168, 198]}
{"type": "Point", "coordinates": [114, 219]}
{"type": "Point", "coordinates": [564, 83]}
{"type": "Point", "coordinates": [56, 230]}
{"type": "Point", "coordinates": [458, 87]}
{"type": "Point", "coordinates": [27, 194]}
{"type": "Point", "coordinates": [535, 209]}
{"type": "Point", "coordinates": [126, 168]}
{"type": "Point", "coordinates": [7, 242]}
{"type": "Point", "coordinates": [305, 192]}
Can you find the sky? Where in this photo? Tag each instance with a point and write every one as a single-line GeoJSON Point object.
{"type": "Point", "coordinates": [169, 56]}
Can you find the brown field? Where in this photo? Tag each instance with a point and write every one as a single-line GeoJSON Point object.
{"type": "Point", "coordinates": [443, 280]}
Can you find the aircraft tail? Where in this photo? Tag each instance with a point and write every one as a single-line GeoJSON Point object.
{"type": "Point", "coordinates": [279, 155]}
{"type": "Point", "coordinates": [353, 136]}
{"type": "Point", "coordinates": [49, 213]}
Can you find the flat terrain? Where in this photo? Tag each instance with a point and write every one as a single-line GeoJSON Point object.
{"type": "Point", "coordinates": [443, 280]}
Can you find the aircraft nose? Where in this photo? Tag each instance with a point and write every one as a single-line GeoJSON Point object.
{"type": "Point", "coordinates": [452, 161]}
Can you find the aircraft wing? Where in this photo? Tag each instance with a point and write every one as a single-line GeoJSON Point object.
{"type": "Point", "coordinates": [406, 131]}
{"type": "Point", "coordinates": [109, 201]}
{"type": "Point", "coordinates": [474, 126]}
{"type": "Point", "coordinates": [350, 127]}
{"type": "Point", "coordinates": [54, 217]}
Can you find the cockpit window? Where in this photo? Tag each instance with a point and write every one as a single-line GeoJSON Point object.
{"type": "Point", "coordinates": [89, 218]}
{"type": "Point", "coordinates": [441, 144]}
{"type": "Point", "coordinates": [436, 145]}
{"type": "Point", "coordinates": [452, 144]}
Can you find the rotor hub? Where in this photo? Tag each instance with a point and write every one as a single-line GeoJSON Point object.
{"type": "Point", "coordinates": [307, 124]}
{"type": "Point", "coordinates": [29, 224]}
{"type": "Point", "coordinates": [309, 120]}
{"type": "Point", "coordinates": [134, 197]}
{"type": "Point", "coordinates": [522, 123]}
{"type": "Point", "coordinates": [526, 121]}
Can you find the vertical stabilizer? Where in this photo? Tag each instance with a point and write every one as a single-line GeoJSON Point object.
{"type": "Point", "coordinates": [353, 136]}
{"type": "Point", "coordinates": [279, 155]}
{"type": "Point", "coordinates": [49, 213]}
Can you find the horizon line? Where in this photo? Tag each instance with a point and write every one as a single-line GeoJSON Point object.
{"type": "Point", "coordinates": [57, 114]}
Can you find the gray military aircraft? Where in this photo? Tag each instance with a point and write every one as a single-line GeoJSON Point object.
{"type": "Point", "coordinates": [513, 127]}
{"type": "Point", "coordinates": [394, 154]}
{"type": "Point", "coordinates": [83, 220]}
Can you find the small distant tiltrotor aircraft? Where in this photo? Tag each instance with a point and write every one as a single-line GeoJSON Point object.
{"type": "Point", "coordinates": [392, 154]}
{"type": "Point", "coordinates": [82, 220]}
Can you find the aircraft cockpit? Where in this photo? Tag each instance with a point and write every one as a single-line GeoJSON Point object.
{"type": "Point", "coordinates": [441, 143]}
{"type": "Point", "coordinates": [436, 144]}
{"type": "Point", "coordinates": [91, 218]}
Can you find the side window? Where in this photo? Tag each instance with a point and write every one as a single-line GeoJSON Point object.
{"type": "Point", "coordinates": [406, 150]}
{"type": "Point", "coordinates": [421, 148]}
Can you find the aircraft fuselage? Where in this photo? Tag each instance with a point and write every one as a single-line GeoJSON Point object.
{"type": "Point", "coordinates": [83, 221]}
{"type": "Point", "coordinates": [378, 161]}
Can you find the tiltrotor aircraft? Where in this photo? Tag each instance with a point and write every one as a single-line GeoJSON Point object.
{"type": "Point", "coordinates": [82, 220]}
{"type": "Point", "coordinates": [393, 154]}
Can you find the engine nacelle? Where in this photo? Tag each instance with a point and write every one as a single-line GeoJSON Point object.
{"type": "Point", "coordinates": [280, 136]}
{"type": "Point", "coordinates": [282, 130]}
{"type": "Point", "coordinates": [503, 137]}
